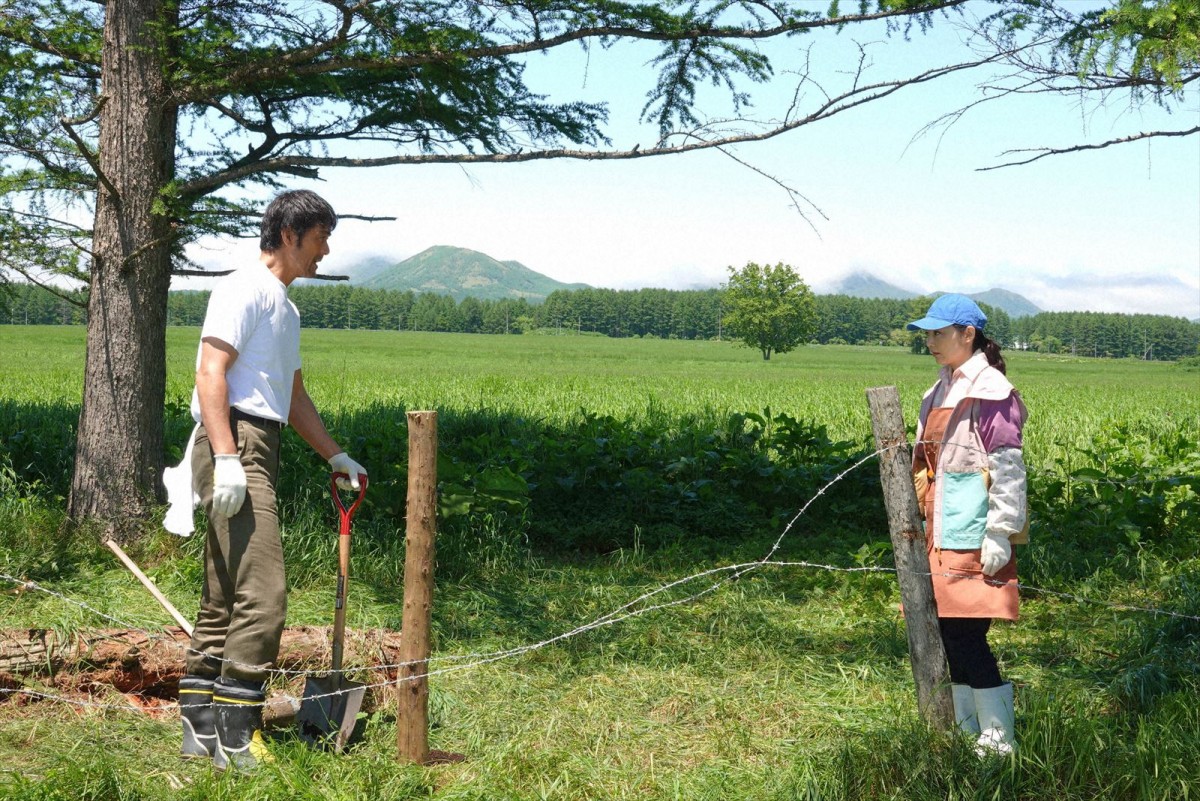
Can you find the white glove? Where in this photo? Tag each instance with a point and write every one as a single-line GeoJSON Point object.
{"type": "Point", "coordinates": [994, 553]}
{"type": "Point", "coordinates": [341, 463]}
{"type": "Point", "coordinates": [229, 484]}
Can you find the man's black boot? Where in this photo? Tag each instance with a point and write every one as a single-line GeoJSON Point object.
{"type": "Point", "coordinates": [239, 708]}
{"type": "Point", "coordinates": [199, 720]}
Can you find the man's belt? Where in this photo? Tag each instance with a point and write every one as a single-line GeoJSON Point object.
{"type": "Point", "coordinates": [236, 414]}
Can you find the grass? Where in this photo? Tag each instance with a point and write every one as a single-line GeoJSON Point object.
{"type": "Point", "coordinates": [350, 372]}
{"type": "Point", "coordinates": [786, 684]}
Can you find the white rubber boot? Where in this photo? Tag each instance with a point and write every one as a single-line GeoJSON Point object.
{"type": "Point", "coordinates": [964, 709]}
{"type": "Point", "coordinates": [994, 707]}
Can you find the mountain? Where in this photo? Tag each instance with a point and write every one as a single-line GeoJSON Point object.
{"type": "Point", "coordinates": [1016, 305]}
{"type": "Point", "coordinates": [461, 273]}
{"type": "Point", "coordinates": [368, 268]}
{"type": "Point", "coordinates": [865, 285]}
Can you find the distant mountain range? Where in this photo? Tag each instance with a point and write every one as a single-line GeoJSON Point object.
{"type": "Point", "coordinates": [866, 285]}
{"type": "Point", "coordinates": [459, 273]}
{"type": "Point", "coordinates": [1016, 305]}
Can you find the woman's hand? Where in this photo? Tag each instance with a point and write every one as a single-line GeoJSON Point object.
{"type": "Point", "coordinates": [994, 553]}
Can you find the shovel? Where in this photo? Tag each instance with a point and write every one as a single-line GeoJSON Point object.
{"type": "Point", "coordinates": [329, 707]}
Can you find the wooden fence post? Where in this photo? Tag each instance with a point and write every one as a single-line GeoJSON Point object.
{"type": "Point", "coordinates": [412, 719]}
{"type": "Point", "coordinates": [934, 701]}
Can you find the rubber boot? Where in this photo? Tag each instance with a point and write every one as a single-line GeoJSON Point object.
{"type": "Point", "coordinates": [239, 708]}
{"type": "Point", "coordinates": [964, 709]}
{"type": "Point", "coordinates": [199, 721]}
{"type": "Point", "coordinates": [996, 721]}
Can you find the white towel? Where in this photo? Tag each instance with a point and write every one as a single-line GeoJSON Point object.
{"type": "Point", "coordinates": [181, 494]}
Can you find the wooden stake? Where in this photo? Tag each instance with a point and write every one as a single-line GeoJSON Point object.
{"type": "Point", "coordinates": [149, 585]}
{"type": "Point", "coordinates": [934, 701]}
{"type": "Point", "coordinates": [412, 721]}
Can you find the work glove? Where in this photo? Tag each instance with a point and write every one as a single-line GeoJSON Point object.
{"type": "Point", "coordinates": [341, 463]}
{"type": "Point", "coordinates": [229, 484]}
{"type": "Point", "coordinates": [994, 553]}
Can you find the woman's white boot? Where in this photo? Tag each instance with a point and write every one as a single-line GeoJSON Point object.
{"type": "Point", "coordinates": [994, 707]}
{"type": "Point", "coordinates": [964, 709]}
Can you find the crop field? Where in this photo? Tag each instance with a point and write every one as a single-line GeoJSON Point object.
{"type": "Point", "coordinates": [578, 473]}
{"type": "Point", "coordinates": [553, 378]}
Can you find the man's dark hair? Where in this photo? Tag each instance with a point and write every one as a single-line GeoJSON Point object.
{"type": "Point", "coordinates": [299, 210]}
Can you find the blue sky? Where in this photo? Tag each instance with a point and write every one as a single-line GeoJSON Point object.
{"type": "Point", "coordinates": [1109, 230]}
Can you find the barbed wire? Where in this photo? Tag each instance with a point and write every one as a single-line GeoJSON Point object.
{"type": "Point", "coordinates": [1130, 482]}
{"type": "Point", "coordinates": [626, 611]}
{"type": "Point", "coordinates": [481, 659]}
{"type": "Point", "coordinates": [611, 617]}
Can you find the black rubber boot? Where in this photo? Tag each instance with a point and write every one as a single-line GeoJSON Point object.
{"type": "Point", "coordinates": [199, 720]}
{"type": "Point", "coordinates": [239, 708]}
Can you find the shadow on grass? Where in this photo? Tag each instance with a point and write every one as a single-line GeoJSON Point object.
{"type": "Point", "coordinates": [544, 527]}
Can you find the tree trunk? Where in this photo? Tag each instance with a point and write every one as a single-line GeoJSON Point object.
{"type": "Point", "coordinates": [925, 648]}
{"type": "Point", "coordinates": [119, 448]}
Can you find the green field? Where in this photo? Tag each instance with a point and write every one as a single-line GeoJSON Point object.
{"type": "Point", "coordinates": [637, 463]}
{"type": "Point", "coordinates": [350, 372]}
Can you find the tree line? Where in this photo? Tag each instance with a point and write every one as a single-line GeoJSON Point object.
{"type": "Point", "coordinates": [662, 313]}
{"type": "Point", "coordinates": [1141, 336]}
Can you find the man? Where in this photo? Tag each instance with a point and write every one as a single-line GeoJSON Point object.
{"type": "Point", "coordinates": [248, 385]}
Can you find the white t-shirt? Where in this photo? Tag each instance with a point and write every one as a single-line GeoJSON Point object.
{"type": "Point", "coordinates": [249, 310]}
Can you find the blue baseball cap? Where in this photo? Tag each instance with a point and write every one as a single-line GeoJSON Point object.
{"type": "Point", "coordinates": [950, 310]}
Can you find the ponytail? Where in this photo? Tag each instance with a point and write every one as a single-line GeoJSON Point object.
{"type": "Point", "coordinates": [990, 348]}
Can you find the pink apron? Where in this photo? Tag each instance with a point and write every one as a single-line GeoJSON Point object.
{"type": "Point", "coordinates": [959, 586]}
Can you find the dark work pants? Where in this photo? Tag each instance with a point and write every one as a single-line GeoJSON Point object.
{"type": "Point", "coordinates": [967, 651]}
{"type": "Point", "coordinates": [243, 603]}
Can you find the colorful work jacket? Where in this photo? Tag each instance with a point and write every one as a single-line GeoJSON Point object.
{"type": "Point", "coordinates": [979, 485]}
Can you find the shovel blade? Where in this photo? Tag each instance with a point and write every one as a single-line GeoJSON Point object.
{"type": "Point", "coordinates": [329, 711]}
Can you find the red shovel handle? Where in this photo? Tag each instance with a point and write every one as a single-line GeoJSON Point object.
{"type": "Point", "coordinates": [347, 514]}
{"type": "Point", "coordinates": [339, 614]}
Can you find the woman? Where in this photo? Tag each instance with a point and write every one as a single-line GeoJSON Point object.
{"type": "Point", "coordinates": [970, 480]}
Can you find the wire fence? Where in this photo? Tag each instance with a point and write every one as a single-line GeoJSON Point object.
{"type": "Point", "coordinates": [711, 579]}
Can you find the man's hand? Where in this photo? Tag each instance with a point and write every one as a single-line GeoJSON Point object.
{"type": "Point", "coordinates": [229, 484]}
{"type": "Point", "coordinates": [994, 553]}
{"type": "Point", "coordinates": [341, 463]}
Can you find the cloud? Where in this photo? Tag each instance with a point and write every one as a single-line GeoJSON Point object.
{"type": "Point", "coordinates": [1133, 293]}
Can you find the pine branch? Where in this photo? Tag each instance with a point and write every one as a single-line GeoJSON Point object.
{"type": "Point", "coordinates": [833, 105]}
{"type": "Point", "coordinates": [306, 61]}
{"type": "Point", "coordinates": [1043, 152]}
{"type": "Point", "coordinates": [53, 290]}
{"type": "Point", "coordinates": [219, 273]}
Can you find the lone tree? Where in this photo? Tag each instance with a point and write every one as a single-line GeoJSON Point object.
{"type": "Point", "coordinates": [130, 128]}
{"type": "Point", "coordinates": [770, 308]}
